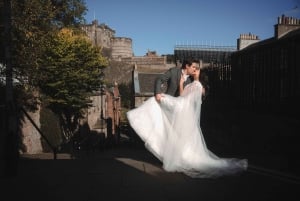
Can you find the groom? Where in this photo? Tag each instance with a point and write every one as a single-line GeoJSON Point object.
{"type": "Point", "coordinates": [172, 78]}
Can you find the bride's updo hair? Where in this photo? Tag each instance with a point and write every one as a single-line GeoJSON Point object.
{"type": "Point", "coordinates": [198, 77]}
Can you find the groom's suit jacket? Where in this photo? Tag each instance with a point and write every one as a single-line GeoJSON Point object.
{"type": "Point", "coordinates": [172, 78]}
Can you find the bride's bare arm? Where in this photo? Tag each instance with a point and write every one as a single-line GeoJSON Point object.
{"type": "Point", "coordinates": [203, 91]}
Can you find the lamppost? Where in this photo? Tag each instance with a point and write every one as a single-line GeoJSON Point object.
{"type": "Point", "coordinates": [101, 91]}
{"type": "Point", "coordinates": [101, 122]}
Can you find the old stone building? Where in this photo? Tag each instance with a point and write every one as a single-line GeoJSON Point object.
{"type": "Point", "coordinates": [267, 72]}
{"type": "Point", "coordinates": [150, 61]}
{"type": "Point", "coordinates": [104, 115]}
{"type": "Point", "coordinates": [143, 86]}
{"type": "Point", "coordinates": [99, 34]}
{"type": "Point", "coordinates": [120, 48]}
{"type": "Point", "coordinates": [102, 35]}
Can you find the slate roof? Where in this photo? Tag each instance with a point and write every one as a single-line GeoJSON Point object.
{"type": "Point", "coordinates": [144, 83]}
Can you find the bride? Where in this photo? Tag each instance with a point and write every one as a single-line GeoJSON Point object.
{"type": "Point", "coordinates": [171, 131]}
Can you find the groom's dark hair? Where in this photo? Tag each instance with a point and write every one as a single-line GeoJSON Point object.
{"type": "Point", "coordinates": [188, 62]}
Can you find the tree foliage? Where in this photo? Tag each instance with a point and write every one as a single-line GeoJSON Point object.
{"type": "Point", "coordinates": [68, 12]}
{"type": "Point", "coordinates": [69, 72]}
{"type": "Point", "coordinates": [33, 25]}
{"type": "Point", "coordinates": [31, 29]}
{"type": "Point", "coordinates": [49, 54]}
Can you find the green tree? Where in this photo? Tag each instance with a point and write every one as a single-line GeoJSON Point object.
{"type": "Point", "coordinates": [68, 74]}
{"type": "Point", "coordinates": [34, 24]}
{"type": "Point", "coordinates": [32, 27]}
{"type": "Point", "coordinates": [68, 12]}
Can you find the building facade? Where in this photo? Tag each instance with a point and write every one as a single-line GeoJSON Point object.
{"type": "Point", "coordinates": [103, 36]}
{"type": "Point", "coordinates": [103, 117]}
{"type": "Point", "coordinates": [267, 73]}
{"type": "Point", "coordinates": [255, 73]}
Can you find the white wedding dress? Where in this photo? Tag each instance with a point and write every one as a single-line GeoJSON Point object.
{"type": "Point", "coordinates": [171, 131]}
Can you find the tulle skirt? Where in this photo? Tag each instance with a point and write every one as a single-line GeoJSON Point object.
{"type": "Point", "coordinates": [171, 131]}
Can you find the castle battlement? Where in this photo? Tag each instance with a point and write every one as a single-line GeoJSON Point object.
{"type": "Point", "coordinates": [102, 35]}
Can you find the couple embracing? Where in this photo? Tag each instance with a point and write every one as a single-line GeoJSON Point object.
{"type": "Point", "coordinates": [169, 125]}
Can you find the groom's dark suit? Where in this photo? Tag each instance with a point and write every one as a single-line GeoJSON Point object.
{"type": "Point", "coordinates": [172, 78]}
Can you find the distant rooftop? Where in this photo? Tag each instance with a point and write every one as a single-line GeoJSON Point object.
{"type": "Point", "coordinates": [206, 48]}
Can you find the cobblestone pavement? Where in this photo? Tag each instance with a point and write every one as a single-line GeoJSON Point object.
{"type": "Point", "coordinates": [132, 173]}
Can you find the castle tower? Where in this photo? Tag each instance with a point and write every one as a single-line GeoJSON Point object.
{"type": "Point", "coordinates": [121, 47]}
{"type": "Point", "coordinates": [100, 35]}
{"type": "Point", "coordinates": [103, 36]}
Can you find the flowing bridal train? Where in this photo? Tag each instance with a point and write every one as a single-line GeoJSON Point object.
{"type": "Point", "coordinates": [171, 131]}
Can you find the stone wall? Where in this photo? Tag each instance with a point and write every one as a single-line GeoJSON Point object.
{"type": "Point", "coordinates": [110, 103]}
{"type": "Point", "coordinates": [31, 137]}
{"type": "Point", "coordinates": [94, 112]}
{"type": "Point", "coordinates": [121, 47]}
{"type": "Point", "coordinates": [158, 62]}
{"type": "Point", "coordinates": [102, 35]}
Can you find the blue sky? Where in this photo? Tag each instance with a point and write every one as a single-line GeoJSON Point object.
{"type": "Point", "coordinates": [159, 25]}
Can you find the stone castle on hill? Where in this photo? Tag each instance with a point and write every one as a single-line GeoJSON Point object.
{"type": "Point", "coordinates": [120, 48]}
{"type": "Point", "coordinates": [102, 35]}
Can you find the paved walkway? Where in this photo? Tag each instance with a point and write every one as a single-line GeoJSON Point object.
{"type": "Point", "coordinates": [132, 173]}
